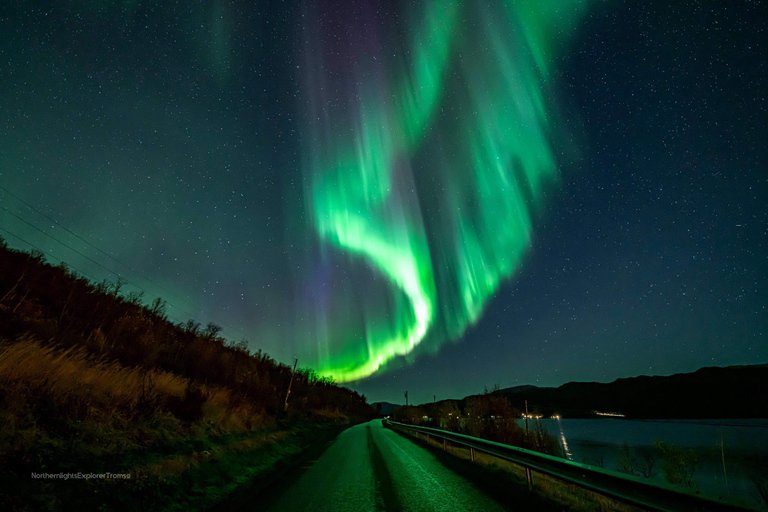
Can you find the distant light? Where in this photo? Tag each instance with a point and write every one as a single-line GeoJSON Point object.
{"type": "Point", "coordinates": [611, 414]}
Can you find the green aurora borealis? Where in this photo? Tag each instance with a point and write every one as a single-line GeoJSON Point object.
{"type": "Point", "coordinates": [441, 195]}
{"type": "Point", "coordinates": [443, 255]}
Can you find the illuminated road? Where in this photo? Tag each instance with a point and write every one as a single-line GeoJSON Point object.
{"type": "Point", "coordinates": [370, 467]}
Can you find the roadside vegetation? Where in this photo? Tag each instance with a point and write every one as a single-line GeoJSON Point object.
{"type": "Point", "coordinates": [95, 380]}
{"type": "Point", "coordinates": [487, 416]}
{"type": "Point", "coordinates": [491, 416]}
{"type": "Point", "coordinates": [504, 479]}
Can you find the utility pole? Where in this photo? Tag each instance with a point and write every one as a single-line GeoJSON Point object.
{"type": "Point", "coordinates": [528, 475]}
{"type": "Point", "coordinates": [406, 406]}
{"type": "Point", "coordinates": [526, 418]}
{"type": "Point", "coordinates": [295, 362]}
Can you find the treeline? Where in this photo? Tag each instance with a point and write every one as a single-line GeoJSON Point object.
{"type": "Point", "coordinates": [95, 380]}
{"type": "Point", "coordinates": [487, 416]}
{"type": "Point", "coordinates": [55, 306]}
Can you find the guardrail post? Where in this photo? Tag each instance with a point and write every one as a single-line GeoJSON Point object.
{"type": "Point", "coordinates": [606, 483]}
{"type": "Point", "coordinates": [472, 454]}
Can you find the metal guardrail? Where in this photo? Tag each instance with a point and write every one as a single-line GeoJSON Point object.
{"type": "Point", "coordinates": [625, 488]}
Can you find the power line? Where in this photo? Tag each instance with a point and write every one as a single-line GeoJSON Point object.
{"type": "Point", "coordinates": [88, 275]}
{"type": "Point", "coordinates": [190, 315]}
{"type": "Point", "coordinates": [65, 245]}
{"type": "Point", "coordinates": [43, 251]}
{"type": "Point", "coordinates": [84, 256]}
{"type": "Point", "coordinates": [77, 269]}
{"type": "Point", "coordinates": [125, 265]}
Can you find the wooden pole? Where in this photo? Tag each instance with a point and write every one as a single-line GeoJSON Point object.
{"type": "Point", "coordinates": [13, 288]}
{"type": "Point", "coordinates": [528, 475]}
{"type": "Point", "coordinates": [295, 362]}
{"type": "Point", "coordinates": [526, 418]}
{"type": "Point", "coordinates": [406, 406]}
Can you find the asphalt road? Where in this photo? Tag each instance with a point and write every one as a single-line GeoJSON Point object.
{"type": "Point", "coordinates": [370, 467]}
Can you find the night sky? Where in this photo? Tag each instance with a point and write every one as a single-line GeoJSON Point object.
{"type": "Point", "coordinates": [437, 196]}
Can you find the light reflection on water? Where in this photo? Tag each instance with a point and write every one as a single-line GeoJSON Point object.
{"type": "Point", "coordinates": [568, 454]}
{"type": "Point", "coordinates": [729, 452]}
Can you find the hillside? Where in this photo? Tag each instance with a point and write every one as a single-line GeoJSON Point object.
{"type": "Point", "coordinates": [713, 392]}
{"type": "Point", "coordinates": [708, 393]}
{"type": "Point", "coordinates": [94, 380]}
{"type": "Point", "coordinates": [385, 408]}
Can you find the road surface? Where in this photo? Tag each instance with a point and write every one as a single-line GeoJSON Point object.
{"type": "Point", "coordinates": [370, 467]}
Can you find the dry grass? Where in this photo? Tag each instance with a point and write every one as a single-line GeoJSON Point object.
{"type": "Point", "coordinates": [96, 389]}
{"type": "Point", "coordinates": [332, 415]}
{"type": "Point", "coordinates": [117, 387]}
{"type": "Point", "coordinates": [71, 373]}
{"type": "Point", "coordinates": [61, 409]}
{"type": "Point", "coordinates": [179, 463]}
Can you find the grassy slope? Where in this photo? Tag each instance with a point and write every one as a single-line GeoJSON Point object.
{"type": "Point", "coordinates": [94, 382]}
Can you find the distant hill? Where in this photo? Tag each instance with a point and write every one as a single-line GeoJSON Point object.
{"type": "Point", "coordinates": [713, 392]}
{"type": "Point", "coordinates": [519, 389]}
{"type": "Point", "coordinates": [386, 407]}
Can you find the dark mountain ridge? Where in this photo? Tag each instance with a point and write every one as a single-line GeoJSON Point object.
{"type": "Point", "coordinates": [707, 393]}
{"type": "Point", "coordinates": [386, 407]}
{"type": "Point", "coordinates": [712, 392]}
